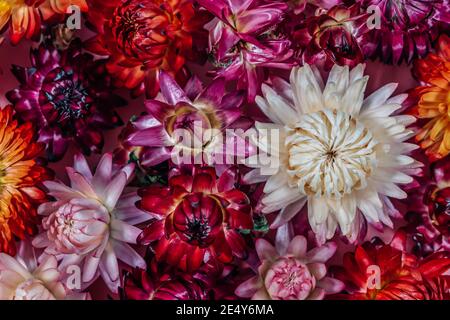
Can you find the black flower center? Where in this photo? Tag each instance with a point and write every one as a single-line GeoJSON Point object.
{"type": "Point", "coordinates": [197, 230]}
{"type": "Point", "coordinates": [66, 94]}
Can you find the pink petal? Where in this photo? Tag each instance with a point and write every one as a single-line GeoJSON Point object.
{"type": "Point", "coordinates": [265, 250]}
{"type": "Point", "coordinates": [126, 254]}
{"type": "Point", "coordinates": [80, 165]}
{"type": "Point", "coordinates": [122, 231]}
{"type": "Point", "coordinates": [248, 288]}
{"type": "Point", "coordinates": [331, 285]}
{"type": "Point", "coordinates": [298, 247]}
{"type": "Point", "coordinates": [323, 253]}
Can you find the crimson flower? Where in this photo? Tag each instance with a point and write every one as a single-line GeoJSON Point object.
{"type": "Point", "coordinates": [161, 283]}
{"type": "Point", "coordinates": [331, 37]}
{"type": "Point", "coordinates": [198, 219]}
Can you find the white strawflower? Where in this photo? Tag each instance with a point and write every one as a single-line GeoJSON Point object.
{"type": "Point", "coordinates": [339, 153]}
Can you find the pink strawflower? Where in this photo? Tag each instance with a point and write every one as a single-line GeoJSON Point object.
{"type": "Point", "coordinates": [91, 223]}
{"type": "Point", "coordinates": [297, 274]}
{"type": "Point", "coordinates": [23, 278]}
{"type": "Point", "coordinates": [201, 114]}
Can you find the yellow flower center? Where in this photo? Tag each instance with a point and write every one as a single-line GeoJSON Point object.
{"type": "Point", "coordinates": [330, 154]}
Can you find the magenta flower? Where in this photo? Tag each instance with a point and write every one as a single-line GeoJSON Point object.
{"type": "Point", "coordinates": [154, 138]}
{"type": "Point", "coordinates": [91, 223]}
{"type": "Point", "coordinates": [244, 43]}
{"type": "Point", "coordinates": [407, 28]}
{"type": "Point", "coordinates": [68, 97]}
{"type": "Point", "coordinates": [297, 274]}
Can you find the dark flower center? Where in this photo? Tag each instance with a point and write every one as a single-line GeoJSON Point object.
{"type": "Point", "coordinates": [198, 219]}
{"type": "Point", "coordinates": [197, 230]}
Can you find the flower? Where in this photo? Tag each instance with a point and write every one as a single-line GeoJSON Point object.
{"type": "Point", "coordinates": [331, 37]}
{"type": "Point", "coordinates": [155, 283]}
{"type": "Point", "coordinates": [20, 176]}
{"type": "Point", "coordinates": [50, 8]}
{"type": "Point", "coordinates": [429, 204]}
{"type": "Point", "coordinates": [298, 6]}
{"type": "Point", "coordinates": [24, 16]}
{"type": "Point", "coordinates": [401, 275]}
{"type": "Point", "coordinates": [244, 43]}
{"type": "Point", "coordinates": [293, 275]}
{"type": "Point", "coordinates": [143, 37]}
{"type": "Point", "coordinates": [433, 101]}
{"type": "Point", "coordinates": [91, 222]}
{"type": "Point", "coordinates": [340, 153]}
{"type": "Point", "coordinates": [406, 30]}
{"type": "Point", "coordinates": [68, 97]}
{"type": "Point", "coordinates": [198, 218]}
{"type": "Point", "coordinates": [23, 278]}
{"type": "Point", "coordinates": [187, 126]}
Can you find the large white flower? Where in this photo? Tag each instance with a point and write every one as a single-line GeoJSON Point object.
{"type": "Point", "coordinates": [339, 153]}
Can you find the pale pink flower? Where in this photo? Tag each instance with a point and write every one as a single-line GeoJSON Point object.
{"type": "Point", "coordinates": [297, 274]}
{"type": "Point", "coordinates": [23, 278]}
{"type": "Point", "coordinates": [91, 223]}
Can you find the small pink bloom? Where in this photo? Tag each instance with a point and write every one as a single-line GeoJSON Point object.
{"type": "Point", "coordinates": [296, 274]}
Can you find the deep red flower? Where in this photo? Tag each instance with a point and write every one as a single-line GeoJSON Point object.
{"type": "Point", "coordinates": [198, 218]}
{"type": "Point", "coordinates": [161, 283]}
{"type": "Point", "coordinates": [403, 276]}
{"type": "Point", "coordinates": [142, 37]}
{"type": "Point", "coordinates": [331, 37]}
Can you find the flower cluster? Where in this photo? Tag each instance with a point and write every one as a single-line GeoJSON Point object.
{"type": "Point", "coordinates": [225, 149]}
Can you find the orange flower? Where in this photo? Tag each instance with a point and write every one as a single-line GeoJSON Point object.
{"type": "Point", "coordinates": [434, 101]}
{"type": "Point", "coordinates": [24, 16]}
{"type": "Point", "coordinates": [19, 174]}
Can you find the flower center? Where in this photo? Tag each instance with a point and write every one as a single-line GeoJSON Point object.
{"type": "Point", "coordinates": [144, 28]}
{"type": "Point", "coordinates": [198, 219]}
{"type": "Point", "coordinates": [63, 91]}
{"type": "Point", "coordinates": [289, 279]}
{"type": "Point", "coordinates": [77, 229]}
{"type": "Point", "coordinates": [330, 154]}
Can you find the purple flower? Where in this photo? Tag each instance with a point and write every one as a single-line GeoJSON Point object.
{"type": "Point", "coordinates": [68, 97]}
{"type": "Point", "coordinates": [244, 42]}
{"type": "Point", "coordinates": [407, 28]}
